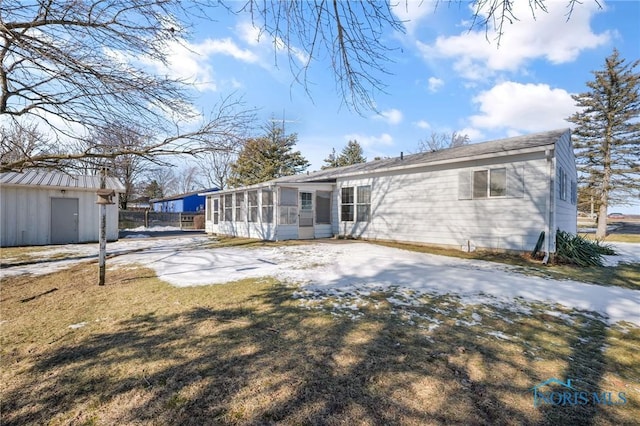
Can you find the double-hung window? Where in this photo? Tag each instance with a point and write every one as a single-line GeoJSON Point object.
{"type": "Point", "coordinates": [346, 204]}
{"type": "Point", "coordinates": [228, 208]}
{"type": "Point", "coordinates": [253, 206]}
{"type": "Point", "coordinates": [216, 212]}
{"type": "Point", "coordinates": [288, 206]}
{"type": "Point", "coordinates": [490, 183]}
{"type": "Point", "coordinates": [240, 207]}
{"type": "Point", "coordinates": [267, 206]}
{"type": "Point", "coordinates": [363, 208]}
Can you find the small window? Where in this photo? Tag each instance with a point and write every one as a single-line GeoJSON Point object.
{"type": "Point", "coordinates": [267, 206]}
{"type": "Point", "coordinates": [490, 183]}
{"type": "Point", "coordinates": [562, 181]}
{"type": "Point", "coordinates": [323, 207]}
{"type": "Point", "coordinates": [574, 193]}
{"type": "Point", "coordinates": [216, 212]}
{"type": "Point", "coordinates": [228, 207]}
{"type": "Point", "coordinates": [480, 180]}
{"type": "Point", "coordinates": [240, 207]}
{"type": "Point", "coordinates": [346, 204]}
{"type": "Point", "coordinates": [253, 206]}
{"type": "Point", "coordinates": [288, 206]}
{"type": "Point", "coordinates": [498, 183]}
{"type": "Point", "coordinates": [306, 201]}
{"type": "Point", "coordinates": [364, 203]}
{"type": "Point", "coordinates": [208, 209]}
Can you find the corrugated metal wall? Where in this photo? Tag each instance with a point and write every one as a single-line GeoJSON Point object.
{"type": "Point", "coordinates": [25, 216]}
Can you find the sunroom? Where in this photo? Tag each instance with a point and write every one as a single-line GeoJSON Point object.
{"type": "Point", "coordinates": [273, 211]}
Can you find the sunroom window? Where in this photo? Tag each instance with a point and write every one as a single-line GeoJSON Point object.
{"type": "Point", "coordinates": [346, 204]}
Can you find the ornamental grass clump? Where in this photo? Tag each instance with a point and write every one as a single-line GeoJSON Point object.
{"type": "Point", "coordinates": [577, 250]}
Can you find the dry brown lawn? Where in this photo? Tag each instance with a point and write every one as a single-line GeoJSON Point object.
{"type": "Point", "coordinates": [138, 351]}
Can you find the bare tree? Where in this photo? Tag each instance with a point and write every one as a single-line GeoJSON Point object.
{"type": "Point", "coordinates": [187, 180]}
{"type": "Point", "coordinates": [76, 66]}
{"type": "Point", "coordinates": [215, 168]}
{"type": "Point", "coordinates": [18, 141]}
{"type": "Point", "coordinates": [441, 140]}
{"type": "Point", "coordinates": [164, 182]}
{"type": "Point", "coordinates": [355, 35]}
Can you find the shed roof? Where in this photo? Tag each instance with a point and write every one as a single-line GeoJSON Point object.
{"type": "Point", "coordinates": [54, 179]}
{"type": "Point", "coordinates": [185, 195]}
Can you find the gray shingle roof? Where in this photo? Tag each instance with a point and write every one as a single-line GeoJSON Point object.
{"type": "Point", "coordinates": [450, 154]}
{"type": "Point", "coordinates": [51, 179]}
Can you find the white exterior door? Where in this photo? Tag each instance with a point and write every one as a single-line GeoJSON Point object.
{"type": "Point", "coordinates": [305, 222]}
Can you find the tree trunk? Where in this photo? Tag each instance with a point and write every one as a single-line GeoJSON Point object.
{"type": "Point", "coordinates": [601, 232]}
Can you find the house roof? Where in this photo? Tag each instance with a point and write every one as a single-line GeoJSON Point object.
{"type": "Point", "coordinates": [490, 149]}
{"type": "Point", "coordinates": [185, 195]}
{"type": "Point", "coordinates": [450, 155]}
{"type": "Point", "coordinates": [54, 179]}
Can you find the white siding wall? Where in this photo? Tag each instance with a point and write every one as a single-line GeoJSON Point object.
{"type": "Point", "coordinates": [424, 207]}
{"type": "Point", "coordinates": [566, 211]}
{"type": "Point", "coordinates": [26, 216]}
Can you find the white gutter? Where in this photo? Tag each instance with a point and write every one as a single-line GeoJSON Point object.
{"type": "Point", "coordinates": [547, 216]}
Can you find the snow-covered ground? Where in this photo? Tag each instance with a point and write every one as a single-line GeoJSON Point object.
{"type": "Point", "coordinates": [359, 268]}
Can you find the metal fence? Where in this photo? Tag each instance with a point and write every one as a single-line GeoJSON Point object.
{"type": "Point", "coordinates": [129, 219]}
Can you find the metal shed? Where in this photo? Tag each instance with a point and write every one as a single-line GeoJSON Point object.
{"type": "Point", "coordinates": [38, 208]}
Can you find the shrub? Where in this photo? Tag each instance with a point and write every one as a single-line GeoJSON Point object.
{"type": "Point", "coordinates": [577, 250]}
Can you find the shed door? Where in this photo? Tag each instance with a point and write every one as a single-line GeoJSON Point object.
{"type": "Point", "coordinates": [305, 224]}
{"type": "Point", "coordinates": [64, 220]}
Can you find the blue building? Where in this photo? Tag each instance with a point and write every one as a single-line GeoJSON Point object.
{"type": "Point", "coordinates": [189, 202]}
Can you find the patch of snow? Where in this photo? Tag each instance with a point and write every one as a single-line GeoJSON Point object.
{"type": "Point", "coordinates": [78, 325]}
{"type": "Point", "coordinates": [499, 335]}
{"type": "Point", "coordinates": [360, 268]}
{"type": "Point", "coordinates": [154, 229]}
{"type": "Point", "coordinates": [627, 253]}
{"type": "Point", "coordinates": [476, 317]}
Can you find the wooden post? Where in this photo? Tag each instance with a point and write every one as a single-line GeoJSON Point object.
{"type": "Point", "coordinates": [103, 229]}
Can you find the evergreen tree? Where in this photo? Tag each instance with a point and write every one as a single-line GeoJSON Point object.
{"type": "Point", "coordinates": [268, 157]}
{"type": "Point", "coordinates": [350, 154]}
{"type": "Point", "coordinates": [607, 135]}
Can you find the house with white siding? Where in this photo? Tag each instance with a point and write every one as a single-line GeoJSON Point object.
{"type": "Point", "coordinates": [499, 195]}
{"type": "Point", "coordinates": [45, 207]}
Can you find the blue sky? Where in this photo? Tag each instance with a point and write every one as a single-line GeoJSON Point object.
{"type": "Point", "coordinates": [443, 76]}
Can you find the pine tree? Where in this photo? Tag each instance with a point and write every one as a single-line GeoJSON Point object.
{"type": "Point", "coordinates": [607, 135]}
{"type": "Point", "coordinates": [268, 157]}
{"type": "Point", "coordinates": [350, 154]}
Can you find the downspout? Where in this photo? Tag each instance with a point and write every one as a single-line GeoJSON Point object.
{"type": "Point", "coordinates": [547, 216]}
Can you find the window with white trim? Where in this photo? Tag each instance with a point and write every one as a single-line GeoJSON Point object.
{"type": "Point", "coordinates": [288, 206]}
{"type": "Point", "coordinates": [228, 207]}
{"type": "Point", "coordinates": [240, 207]}
{"type": "Point", "coordinates": [267, 206]}
{"type": "Point", "coordinates": [363, 207]}
{"type": "Point", "coordinates": [252, 197]}
{"type": "Point", "coordinates": [574, 193]}
{"type": "Point", "coordinates": [346, 204]}
{"type": "Point", "coordinates": [489, 183]}
{"type": "Point", "coordinates": [216, 212]}
{"type": "Point", "coordinates": [208, 209]}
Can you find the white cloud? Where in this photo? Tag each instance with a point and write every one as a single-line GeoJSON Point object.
{"type": "Point", "coordinates": [411, 12]}
{"type": "Point", "coordinates": [422, 124]}
{"type": "Point", "coordinates": [548, 35]}
{"type": "Point", "coordinates": [391, 116]}
{"type": "Point", "coordinates": [366, 141]}
{"type": "Point", "coordinates": [435, 84]}
{"type": "Point", "coordinates": [475, 135]}
{"type": "Point", "coordinates": [522, 108]}
{"type": "Point", "coordinates": [227, 47]}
